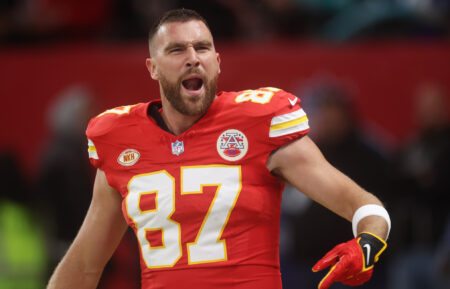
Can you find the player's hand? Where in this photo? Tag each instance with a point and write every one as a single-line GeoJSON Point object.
{"type": "Point", "coordinates": [351, 262]}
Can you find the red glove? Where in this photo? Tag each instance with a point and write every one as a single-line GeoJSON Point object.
{"type": "Point", "coordinates": [351, 262]}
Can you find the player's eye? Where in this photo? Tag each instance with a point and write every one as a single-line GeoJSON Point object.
{"type": "Point", "coordinates": [176, 50]}
{"type": "Point", "coordinates": [202, 48]}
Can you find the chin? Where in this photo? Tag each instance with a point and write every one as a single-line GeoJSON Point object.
{"type": "Point", "coordinates": [195, 110]}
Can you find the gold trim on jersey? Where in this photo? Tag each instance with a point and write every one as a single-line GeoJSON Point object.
{"type": "Point", "coordinates": [288, 123]}
{"type": "Point", "coordinates": [118, 110]}
{"type": "Point", "coordinates": [92, 150]}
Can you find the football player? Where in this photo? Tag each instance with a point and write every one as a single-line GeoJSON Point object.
{"type": "Point", "coordinates": [198, 175]}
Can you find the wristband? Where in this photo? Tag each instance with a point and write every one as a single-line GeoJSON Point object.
{"type": "Point", "coordinates": [370, 210]}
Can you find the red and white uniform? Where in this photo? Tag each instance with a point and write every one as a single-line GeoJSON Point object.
{"type": "Point", "coordinates": [203, 205]}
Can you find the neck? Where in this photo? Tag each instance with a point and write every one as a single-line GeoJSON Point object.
{"type": "Point", "coordinates": [176, 122]}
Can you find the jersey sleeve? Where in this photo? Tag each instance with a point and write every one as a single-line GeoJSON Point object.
{"type": "Point", "coordinates": [100, 133]}
{"type": "Point", "coordinates": [288, 119]}
{"type": "Point", "coordinates": [95, 139]}
{"type": "Point", "coordinates": [93, 156]}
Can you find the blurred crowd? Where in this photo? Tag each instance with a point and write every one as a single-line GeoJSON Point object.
{"type": "Point", "coordinates": [40, 217]}
{"type": "Point", "coordinates": [37, 21]}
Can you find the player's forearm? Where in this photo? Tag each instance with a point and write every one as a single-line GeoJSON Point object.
{"type": "Point", "coordinates": [79, 268]}
{"type": "Point", "coordinates": [367, 213]}
{"type": "Point", "coordinates": [351, 201]}
{"type": "Point", "coordinates": [71, 273]}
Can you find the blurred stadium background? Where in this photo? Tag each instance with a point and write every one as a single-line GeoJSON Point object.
{"type": "Point", "coordinates": [374, 76]}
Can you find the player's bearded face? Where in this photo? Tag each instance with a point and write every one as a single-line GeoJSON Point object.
{"type": "Point", "coordinates": [188, 104]}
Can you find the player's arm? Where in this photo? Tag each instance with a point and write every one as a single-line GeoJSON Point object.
{"type": "Point", "coordinates": [100, 234]}
{"type": "Point", "coordinates": [302, 164]}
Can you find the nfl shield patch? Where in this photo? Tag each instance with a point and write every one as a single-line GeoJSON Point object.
{"type": "Point", "coordinates": [177, 148]}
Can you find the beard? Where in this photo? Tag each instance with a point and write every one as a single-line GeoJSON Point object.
{"type": "Point", "coordinates": [191, 105]}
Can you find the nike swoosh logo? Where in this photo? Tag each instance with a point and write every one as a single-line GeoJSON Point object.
{"type": "Point", "coordinates": [293, 101]}
{"type": "Point", "coordinates": [367, 246]}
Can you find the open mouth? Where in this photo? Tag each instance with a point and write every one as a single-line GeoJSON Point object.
{"type": "Point", "coordinates": [193, 84]}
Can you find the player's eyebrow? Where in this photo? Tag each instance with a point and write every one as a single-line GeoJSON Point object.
{"type": "Point", "coordinates": [201, 43]}
{"type": "Point", "coordinates": [205, 43]}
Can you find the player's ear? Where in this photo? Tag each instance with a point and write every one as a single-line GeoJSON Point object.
{"type": "Point", "coordinates": [151, 67]}
{"type": "Point", "coordinates": [218, 60]}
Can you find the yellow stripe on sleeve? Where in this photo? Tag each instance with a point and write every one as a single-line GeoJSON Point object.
{"type": "Point", "coordinates": [288, 123]}
{"type": "Point", "coordinates": [92, 150]}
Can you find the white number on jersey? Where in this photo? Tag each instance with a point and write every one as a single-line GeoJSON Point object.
{"type": "Point", "coordinates": [208, 245]}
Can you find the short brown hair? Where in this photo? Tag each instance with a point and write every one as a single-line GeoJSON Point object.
{"type": "Point", "coordinates": [176, 15]}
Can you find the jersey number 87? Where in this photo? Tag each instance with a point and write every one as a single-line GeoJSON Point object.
{"type": "Point", "coordinates": [208, 245]}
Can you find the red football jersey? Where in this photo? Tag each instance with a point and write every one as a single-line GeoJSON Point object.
{"type": "Point", "coordinates": [203, 205]}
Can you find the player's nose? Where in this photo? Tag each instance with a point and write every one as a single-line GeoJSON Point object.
{"type": "Point", "coordinates": [192, 59]}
